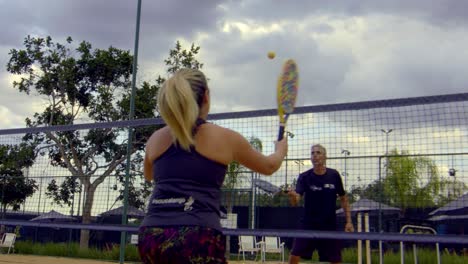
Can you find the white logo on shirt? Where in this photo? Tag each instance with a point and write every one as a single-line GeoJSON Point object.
{"type": "Point", "coordinates": [325, 186]}
{"type": "Point", "coordinates": [187, 202]}
{"type": "Point", "coordinates": [315, 188]}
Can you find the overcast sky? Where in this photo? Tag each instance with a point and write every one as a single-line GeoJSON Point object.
{"type": "Point", "coordinates": [346, 50]}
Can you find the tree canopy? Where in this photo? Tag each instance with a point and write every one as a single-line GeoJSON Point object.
{"type": "Point", "coordinates": [14, 186]}
{"type": "Point", "coordinates": [407, 182]}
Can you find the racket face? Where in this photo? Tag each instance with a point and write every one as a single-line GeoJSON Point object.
{"type": "Point", "coordinates": [287, 87]}
{"type": "Point", "coordinates": [279, 98]}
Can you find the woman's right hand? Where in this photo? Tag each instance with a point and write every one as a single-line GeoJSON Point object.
{"type": "Point", "coordinates": [282, 146]}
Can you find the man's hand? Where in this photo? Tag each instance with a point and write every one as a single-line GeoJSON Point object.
{"type": "Point", "coordinates": [345, 205]}
{"type": "Point", "coordinates": [293, 197]}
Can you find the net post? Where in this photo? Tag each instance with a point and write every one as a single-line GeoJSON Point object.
{"type": "Point", "coordinates": [359, 242]}
{"type": "Point", "coordinates": [366, 227]}
{"type": "Point", "coordinates": [123, 235]}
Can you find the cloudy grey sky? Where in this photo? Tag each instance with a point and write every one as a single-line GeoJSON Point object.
{"type": "Point", "coordinates": [346, 50]}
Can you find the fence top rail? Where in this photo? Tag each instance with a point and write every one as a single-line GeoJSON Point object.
{"type": "Point", "coordinates": [394, 237]}
{"type": "Point", "coordinates": [423, 100]}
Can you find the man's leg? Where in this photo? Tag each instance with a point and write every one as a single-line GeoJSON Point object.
{"type": "Point", "coordinates": [330, 251]}
{"type": "Point", "coordinates": [302, 247]}
{"type": "Point", "coordinates": [294, 259]}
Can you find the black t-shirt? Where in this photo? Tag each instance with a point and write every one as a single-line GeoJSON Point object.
{"type": "Point", "coordinates": [320, 193]}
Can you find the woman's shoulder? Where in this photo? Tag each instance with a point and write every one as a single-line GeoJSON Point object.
{"type": "Point", "coordinates": [159, 134]}
{"type": "Point", "coordinates": [218, 130]}
{"type": "Point", "coordinates": [159, 141]}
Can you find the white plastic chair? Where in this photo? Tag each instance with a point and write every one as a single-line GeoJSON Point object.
{"type": "Point", "coordinates": [272, 245]}
{"type": "Point", "coordinates": [8, 241]}
{"type": "Point", "coordinates": [249, 244]}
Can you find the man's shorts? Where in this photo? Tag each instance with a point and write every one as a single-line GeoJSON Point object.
{"type": "Point", "coordinates": [329, 250]}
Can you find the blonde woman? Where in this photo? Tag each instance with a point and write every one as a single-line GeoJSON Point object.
{"type": "Point", "coordinates": [188, 160]}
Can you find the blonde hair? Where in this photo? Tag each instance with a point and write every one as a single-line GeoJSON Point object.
{"type": "Point", "coordinates": [179, 101]}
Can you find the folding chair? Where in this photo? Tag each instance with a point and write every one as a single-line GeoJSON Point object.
{"type": "Point", "coordinates": [272, 245]}
{"type": "Point", "coordinates": [249, 244]}
{"type": "Point", "coordinates": [8, 241]}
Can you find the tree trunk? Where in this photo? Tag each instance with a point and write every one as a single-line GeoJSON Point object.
{"type": "Point", "coordinates": [88, 205]}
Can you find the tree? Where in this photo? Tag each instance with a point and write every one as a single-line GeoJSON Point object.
{"type": "Point", "coordinates": [180, 58]}
{"type": "Point", "coordinates": [93, 85]}
{"type": "Point", "coordinates": [370, 191]}
{"type": "Point", "coordinates": [451, 190]}
{"type": "Point", "coordinates": [65, 193]}
{"type": "Point", "coordinates": [410, 182]}
{"type": "Point", "coordinates": [14, 187]}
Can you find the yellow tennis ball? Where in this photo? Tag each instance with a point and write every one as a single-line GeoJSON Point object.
{"type": "Point", "coordinates": [271, 55]}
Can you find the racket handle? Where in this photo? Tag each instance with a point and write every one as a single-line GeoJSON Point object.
{"type": "Point", "coordinates": [281, 133]}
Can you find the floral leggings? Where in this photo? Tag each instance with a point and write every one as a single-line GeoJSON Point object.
{"type": "Point", "coordinates": [181, 244]}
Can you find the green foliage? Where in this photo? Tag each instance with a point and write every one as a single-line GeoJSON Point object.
{"type": "Point", "coordinates": [256, 143]}
{"type": "Point", "coordinates": [181, 58]}
{"type": "Point", "coordinates": [14, 187]}
{"type": "Point", "coordinates": [349, 255]}
{"type": "Point", "coordinates": [233, 170]}
{"type": "Point", "coordinates": [411, 181]}
{"type": "Point", "coordinates": [65, 193]}
{"type": "Point", "coordinates": [454, 188]}
{"type": "Point", "coordinates": [72, 250]}
{"type": "Point", "coordinates": [371, 191]}
{"type": "Point", "coordinates": [425, 255]}
{"type": "Point", "coordinates": [244, 198]}
{"type": "Point", "coordinates": [407, 182]}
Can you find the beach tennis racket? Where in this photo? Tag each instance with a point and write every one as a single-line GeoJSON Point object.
{"type": "Point", "coordinates": [286, 93]}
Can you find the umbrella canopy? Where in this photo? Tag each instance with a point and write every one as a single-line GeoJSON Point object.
{"type": "Point", "coordinates": [367, 205]}
{"type": "Point", "coordinates": [53, 216]}
{"type": "Point", "coordinates": [457, 207]}
{"type": "Point", "coordinates": [131, 212]}
{"type": "Point", "coordinates": [266, 186]}
{"type": "Point", "coordinates": [436, 218]}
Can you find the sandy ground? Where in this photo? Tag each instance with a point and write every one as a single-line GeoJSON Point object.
{"type": "Point", "coordinates": [29, 259]}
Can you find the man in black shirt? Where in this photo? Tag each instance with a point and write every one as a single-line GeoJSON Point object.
{"type": "Point", "coordinates": [320, 187]}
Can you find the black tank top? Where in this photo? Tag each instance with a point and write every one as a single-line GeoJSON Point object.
{"type": "Point", "coordinates": [187, 189]}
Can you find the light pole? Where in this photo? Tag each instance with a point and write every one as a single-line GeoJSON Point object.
{"type": "Point", "coordinates": [452, 173]}
{"type": "Point", "coordinates": [254, 178]}
{"type": "Point", "coordinates": [299, 163]}
{"type": "Point", "coordinates": [386, 132]}
{"type": "Point", "coordinates": [291, 135]}
{"type": "Point", "coordinates": [346, 154]}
